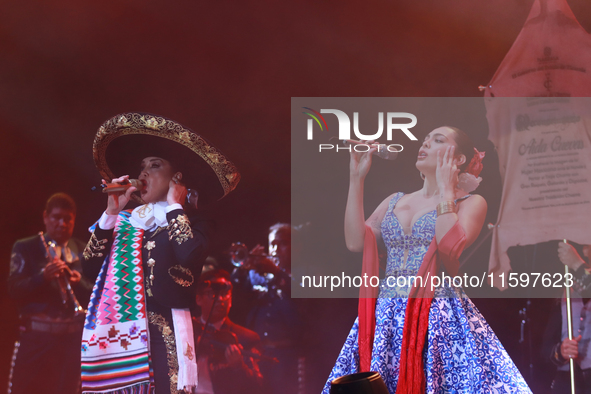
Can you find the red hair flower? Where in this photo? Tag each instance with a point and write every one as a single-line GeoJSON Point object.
{"type": "Point", "coordinates": [469, 180]}
{"type": "Point", "coordinates": [475, 166]}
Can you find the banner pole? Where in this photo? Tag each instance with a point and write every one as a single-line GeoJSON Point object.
{"type": "Point", "coordinates": [569, 321]}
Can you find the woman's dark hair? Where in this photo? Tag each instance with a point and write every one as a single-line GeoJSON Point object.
{"type": "Point", "coordinates": [465, 146]}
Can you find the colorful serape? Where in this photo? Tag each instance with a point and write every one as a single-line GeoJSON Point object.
{"type": "Point", "coordinates": [115, 355]}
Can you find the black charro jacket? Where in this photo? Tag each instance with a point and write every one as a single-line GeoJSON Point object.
{"type": "Point", "coordinates": [177, 253]}
{"type": "Point", "coordinates": [245, 377]}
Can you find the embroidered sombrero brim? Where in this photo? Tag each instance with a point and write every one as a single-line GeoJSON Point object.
{"type": "Point", "coordinates": [123, 141]}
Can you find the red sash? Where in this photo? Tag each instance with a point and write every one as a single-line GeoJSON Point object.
{"type": "Point", "coordinates": [411, 379]}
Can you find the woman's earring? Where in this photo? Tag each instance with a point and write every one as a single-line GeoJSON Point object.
{"type": "Point", "coordinates": [422, 176]}
{"type": "Point", "coordinates": [176, 178]}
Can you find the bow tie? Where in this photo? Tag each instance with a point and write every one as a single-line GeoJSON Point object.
{"type": "Point", "coordinates": [150, 216]}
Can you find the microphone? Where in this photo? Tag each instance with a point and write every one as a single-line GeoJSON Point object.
{"type": "Point", "coordinates": [382, 151]}
{"type": "Point", "coordinates": [117, 187]}
{"type": "Point", "coordinates": [192, 195]}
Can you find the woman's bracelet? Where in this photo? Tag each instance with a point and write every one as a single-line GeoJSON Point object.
{"type": "Point", "coordinates": [446, 207]}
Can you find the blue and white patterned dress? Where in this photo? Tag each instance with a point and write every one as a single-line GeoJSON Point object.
{"type": "Point", "coordinates": [462, 354]}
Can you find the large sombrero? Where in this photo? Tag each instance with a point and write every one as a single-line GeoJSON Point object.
{"type": "Point", "coordinates": [124, 140]}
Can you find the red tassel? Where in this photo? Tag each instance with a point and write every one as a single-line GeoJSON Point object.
{"type": "Point", "coordinates": [367, 301]}
{"type": "Point", "coordinates": [411, 378]}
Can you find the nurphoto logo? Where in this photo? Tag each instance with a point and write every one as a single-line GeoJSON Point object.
{"type": "Point", "coordinates": [393, 123]}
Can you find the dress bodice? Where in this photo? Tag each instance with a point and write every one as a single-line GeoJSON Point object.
{"type": "Point", "coordinates": [413, 245]}
{"type": "Point", "coordinates": [397, 242]}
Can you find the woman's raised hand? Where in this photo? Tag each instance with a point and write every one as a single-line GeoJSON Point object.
{"type": "Point", "coordinates": [361, 161]}
{"type": "Point", "coordinates": [116, 201]}
{"type": "Point", "coordinates": [177, 192]}
{"type": "Point", "coordinates": [447, 171]}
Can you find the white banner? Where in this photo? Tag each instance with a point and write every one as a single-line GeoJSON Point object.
{"type": "Point", "coordinates": [543, 138]}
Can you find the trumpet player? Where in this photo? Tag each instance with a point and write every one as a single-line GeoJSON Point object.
{"type": "Point", "coordinates": [46, 357]}
{"type": "Point", "coordinates": [273, 314]}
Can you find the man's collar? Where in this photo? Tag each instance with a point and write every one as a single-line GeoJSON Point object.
{"type": "Point", "coordinates": [217, 325]}
{"type": "Point", "coordinates": [49, 239]}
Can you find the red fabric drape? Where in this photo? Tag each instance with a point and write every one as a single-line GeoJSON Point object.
{"type": "Point", "coordinates": [367, 300]}
{"type": "Point", "coordinates": [411, 379]}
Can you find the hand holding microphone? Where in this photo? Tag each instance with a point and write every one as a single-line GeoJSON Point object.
{"type": "Point", "coordinates": [119, 191]}
{"type": "Point", "coordinates": [362, 153]}
{"type": "Point", "coordinates": [382, 151]}
{"type": "Point", "coordinates": [122, 184]}
{"type": "Point", "coordinates": [122, 187]}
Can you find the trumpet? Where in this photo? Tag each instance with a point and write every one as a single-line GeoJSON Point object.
{"type": "Point", "coordinates": [66, 292]}
{"type": "Point", "coordinates": [272, 280]}
{"type": "Point", "coordinates": [241, 257]}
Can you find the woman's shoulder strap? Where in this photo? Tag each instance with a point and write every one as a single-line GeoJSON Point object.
{"type": "Point", "coordinates": [395, 198]}
{"type": "Point", "coordinates": [462, 198]}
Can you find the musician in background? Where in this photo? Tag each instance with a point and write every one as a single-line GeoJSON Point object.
{"type": "Point", "coordinates": [557, 345]}
{"type": "Point", "coordinates": [226, 352]}
{"type": "Point", "coordinates": [274, 315]}
{"type": "Point", "coordinates": [47, 355]}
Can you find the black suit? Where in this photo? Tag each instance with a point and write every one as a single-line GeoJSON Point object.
{"type": "Point", "coordinates": [242, 378]}
{"type": "Point", "coordinates": [178, 252]}
{"type": "Point", "coordinates": [47, 354]}
{"type": "Point", "coordinates": [553, 338]}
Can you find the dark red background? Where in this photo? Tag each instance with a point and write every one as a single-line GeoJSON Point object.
{"type": "Point", "coordinates": [228, 71]}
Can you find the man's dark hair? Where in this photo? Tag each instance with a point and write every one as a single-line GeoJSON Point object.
{"type": "Point", "coordinates": [60, 200]}
{"type": "Point", "coordinates": [211, 276]}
